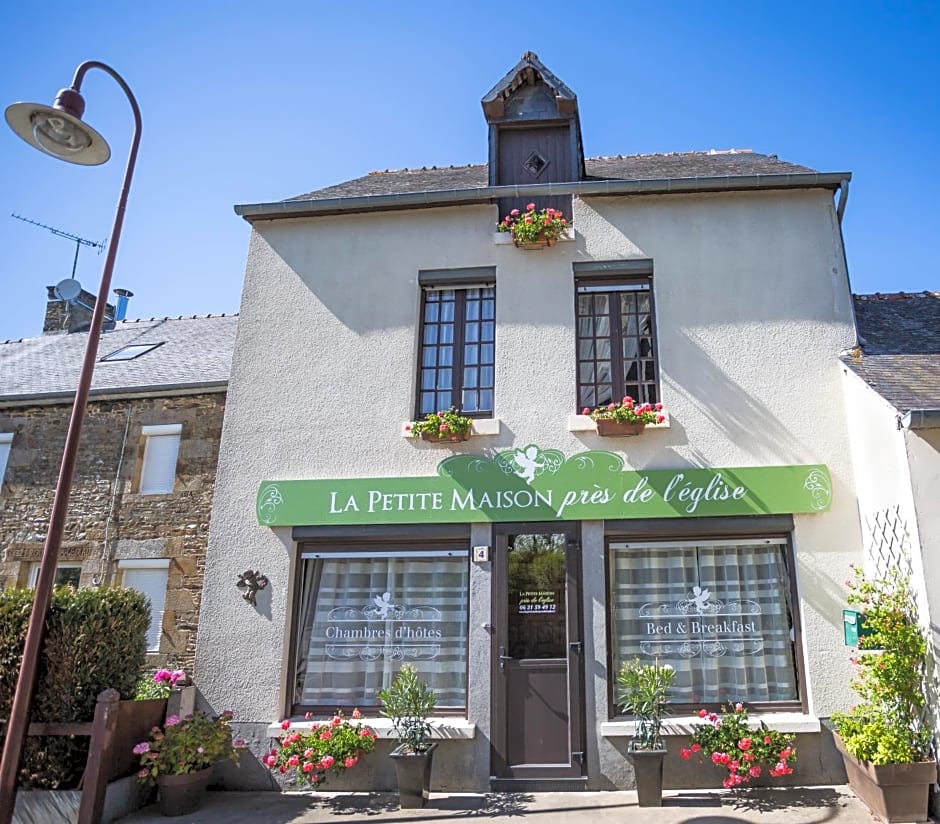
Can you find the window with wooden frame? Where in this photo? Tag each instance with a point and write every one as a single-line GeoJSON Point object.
{"type": "Point", "coordinates": [457, 352]}
{"type": "Point", "coordinates": [364, 608]}
{"type": "Point", "coordinates": [720, 611]}
{"type": "Point", "coordinates": [616, 343]}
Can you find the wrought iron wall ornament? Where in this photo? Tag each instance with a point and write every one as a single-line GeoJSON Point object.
{"type": "Point", "coordinates": [251, 582]}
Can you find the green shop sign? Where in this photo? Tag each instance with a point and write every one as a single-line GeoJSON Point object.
{"type": "Point", "coordinates": [532, 484]}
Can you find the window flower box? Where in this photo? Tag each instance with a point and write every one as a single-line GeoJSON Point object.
{"type": "Point", "coordinates": [625, 418]}
{"type": "Point", "coordinates": [446, 426]}
{"type": "Point", "coordinates": [438, 438]}
{"type": "Point", "coordinates": [534, 230]}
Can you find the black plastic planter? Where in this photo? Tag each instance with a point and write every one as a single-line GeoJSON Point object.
{"type": "Point", "coordinates": [413, 770]}
{"type": "Point", "coordinates": [648, 769]}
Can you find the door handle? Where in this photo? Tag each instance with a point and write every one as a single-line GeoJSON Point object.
{"type": "Point", "coordinates": [503, 658]}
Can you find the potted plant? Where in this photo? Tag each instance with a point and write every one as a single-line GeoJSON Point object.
{"type": "Point", "coordinates": [446, 425]}
{"type": "Point", "coordinates": [408, 702]}
{"type": "Point", "coordinates": [179, 757]}
{"type": "Point", "coordinates": [533, 229]}
{"type": "Point", "coordinates": [642, 690]}
{"type": "Point", "coordinates": [731, 742]}
{"type": "Point", "coordinates": [336, 745]}
{"type": "Point", "coordinates": [884, 743]}
{"type": "Point", "coordinates": [625, 418]}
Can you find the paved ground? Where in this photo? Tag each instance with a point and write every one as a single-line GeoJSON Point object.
{"type": "Point", "coordinates": [810, 805]}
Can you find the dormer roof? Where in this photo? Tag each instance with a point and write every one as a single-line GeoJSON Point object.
{"type": "Point", "coordinates": [528, 71]}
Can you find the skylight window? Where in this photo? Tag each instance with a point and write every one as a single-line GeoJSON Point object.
{"type": "Point", "coordinates": [134, 350]}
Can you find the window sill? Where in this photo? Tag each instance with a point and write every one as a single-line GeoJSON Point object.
{"type": "Point", "coordinates": [442, 728]}
{"type": "Point", "coordinates": [790, 722]}
{"type": "Point", "coordinates": [584, 423]}
{"type": "Point", "coordinates": [481, 427]}
{"type": "Point", "coordinates": [505, 238]}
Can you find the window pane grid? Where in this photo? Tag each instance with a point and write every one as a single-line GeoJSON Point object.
{"type": "Point", "coordinates": [457, 352]}
{"type": "Point", "coordinates": [614, 339]}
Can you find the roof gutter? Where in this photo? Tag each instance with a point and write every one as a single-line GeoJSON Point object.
{"type": "Point", "coordinates": [921, 419]}
{"type": "Point", "coordinates": [584, 188]}
{"type": "Point", "coordinates": [155, 391]}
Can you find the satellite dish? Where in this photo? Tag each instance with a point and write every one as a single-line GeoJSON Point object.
{"type": "Point", "coordinates": [68, 289]}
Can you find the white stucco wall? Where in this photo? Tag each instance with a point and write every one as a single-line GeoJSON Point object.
{"type": "Point", "coordinates": [752, 307]}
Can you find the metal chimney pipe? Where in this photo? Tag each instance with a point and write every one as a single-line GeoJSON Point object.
{"type": "Point", "coordinates": [123, 297]}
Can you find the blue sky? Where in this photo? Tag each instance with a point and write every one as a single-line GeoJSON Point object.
{"type": "Point", "coordinates": [246, 102]}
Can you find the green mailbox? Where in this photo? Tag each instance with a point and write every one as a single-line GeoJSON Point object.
{"type": "Point", "coordinates": [854, 626]}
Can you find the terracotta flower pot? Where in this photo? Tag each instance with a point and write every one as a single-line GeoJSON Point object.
{"type": "Point", "coordinates": [893, 792]}
{"type": "Point", "coordinates": [609, 428]}
{"type": "Point", "coordinates": [182, 794]}
{"type": "Point", "coordinates": [452, 438]}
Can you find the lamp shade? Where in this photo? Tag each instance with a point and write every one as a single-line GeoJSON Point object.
{"type": "Point", "coordinates": [58, 133]}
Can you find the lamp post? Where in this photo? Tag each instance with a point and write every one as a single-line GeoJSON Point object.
{"type": "Point", "coordinates": [58, 130]}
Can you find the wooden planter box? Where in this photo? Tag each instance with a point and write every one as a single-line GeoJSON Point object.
{"type": "Point", "coordinates": [539, 243]}
{"type": "Point", "coordinates": [893, 792]}
{"type": "Point", "coordinates": [608, 428]}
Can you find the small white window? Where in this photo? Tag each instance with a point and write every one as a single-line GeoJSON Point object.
{"type": "Point", "coordinates": [161, 450]}
{"type": "Point", "coordinates": [6, 440]}
{"type": "Point", "coordinates": [65, 575]}
{"type": "Point", "coordinates": [148, 577]}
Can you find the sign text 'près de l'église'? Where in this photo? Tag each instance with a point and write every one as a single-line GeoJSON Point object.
{"type": "Point", "coordinates": [532, 484]}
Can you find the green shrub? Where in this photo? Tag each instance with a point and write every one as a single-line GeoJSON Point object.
{"type": "Point", "coordinates": [94, 639]}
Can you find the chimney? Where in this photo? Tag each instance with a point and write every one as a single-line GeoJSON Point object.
{"type": "Point", "coordinates": [123, 297]}
{"type": "Point", "coordinates": [71, 316]}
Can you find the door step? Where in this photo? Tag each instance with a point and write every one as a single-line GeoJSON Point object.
{"type": "Point", "coordinates": [538, 785]}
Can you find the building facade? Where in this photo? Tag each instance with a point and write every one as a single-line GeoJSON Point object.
{"type": "Point", "coordinates": [519, 569]}
{"type": "Point", "coordinates": [140, 501]}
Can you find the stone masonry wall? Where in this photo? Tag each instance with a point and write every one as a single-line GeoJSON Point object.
{"type": "Point", "coordinates": [108, 519]}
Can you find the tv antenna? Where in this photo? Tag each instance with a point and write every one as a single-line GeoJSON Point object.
{"type": "Point", "coordinates": [79, 241]}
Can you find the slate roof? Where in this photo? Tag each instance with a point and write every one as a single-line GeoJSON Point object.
{"type": "Point", "coordinates": [678, 165]}
{"type": "Point", "coordinates": [196, 351]}
{"type": "Point", "coordinates": [899, 355]}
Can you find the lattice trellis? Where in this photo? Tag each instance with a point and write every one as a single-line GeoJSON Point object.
{"type": "Point", "coordinates": [889, 543]}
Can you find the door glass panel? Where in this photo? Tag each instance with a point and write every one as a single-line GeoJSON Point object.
{"type": "Point", "coordinates": [536, 589]}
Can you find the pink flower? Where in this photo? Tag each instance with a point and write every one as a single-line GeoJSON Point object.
{"type": "Point", "coordinates": [658, 407]}
{"type": "Point", "coordinates": [239, 743]}
{"type": "Point", "coordinates": [739, 707]}
{"type": "Point", "coordinates": [327, 761]}
{"type": "Point", "coordinates": [172, 720]}
{"type": "Point", "coordinates": [200, 750]}
{"type": "Point", "coordinates": [528, 219]}
{"type": "Point", "coordinates": [141, 748]}
{"type": "Point", "coordinates": [285, 724]}
{"type": "Point", "coordinates": [407, 429]}
{"type": "Point", "coordinates": [351, 761]}
{"type": "Point", "coordinates": [294, 760]}
{"type": "Point", "coordinates": [585, 411]}
{"type": "Point", "coordinates": [326, 735]}
{"type": "Point", "coordinates": [702, 713]}
{"type": "Point", "coordinates": [529, 207]}
{"type": "Point", "coordinates": [308, 767]}
{"type": "Point", "coordinates": [337, 720]}
{"type": "Point", "coordinates": [754, 772]}
{"type": "Point", "coordinates": [744, 744]}
{"type": "Point", "coordinates": [685, 754]}
{"type": "Point", "coordinates": [161, 675]}
{"type": "Point", "coordinates": [270, 760]}
{"type": "Point", "coordinates": [660, 418]}
{"type": "Point", "coordinates": [143, 774]}
{"type": "Point", "coordinates": [356, 713]}
{"type": "Point", "coordinates": [696, 747]}
{"type": "Point", "coordinates": [611, 406]}
{"type": "Point", "coordinates": [766, 739]}
{"type": "Point", "coordinates": [515, 213]}
{"type": "Point", "coordinates": [366, 733]}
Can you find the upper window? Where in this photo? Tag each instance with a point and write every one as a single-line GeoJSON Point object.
{"type": "Point", "coordinates": [458, 345]}
{"type": "Point", "coordinates": [6, 441]}
{"type": "Point", "coordinates": [364, 612]}
{"type": "Point", "coordinates": [720, 612]}
{"type": "Point", "coordinates": [134, 350]}
{"type": "Point", "coordinates": [615, 339]}
{"type": "Point", "coordinates": [161, 450]}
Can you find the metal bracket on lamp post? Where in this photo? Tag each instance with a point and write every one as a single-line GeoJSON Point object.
{"type": "Point", "coordinates": [59, 131]}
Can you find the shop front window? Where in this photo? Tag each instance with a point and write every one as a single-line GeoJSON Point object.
{"type": "Point", "coordinates": [719, 612]}
{"type": "Point", "coordinates": [365, 613]}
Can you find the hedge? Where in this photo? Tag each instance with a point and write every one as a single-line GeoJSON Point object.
{"type": "Point", "coordinates": [94, 639]}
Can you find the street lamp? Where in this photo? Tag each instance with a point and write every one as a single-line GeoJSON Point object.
{"type": "Point", "coordinates": [58, 130]}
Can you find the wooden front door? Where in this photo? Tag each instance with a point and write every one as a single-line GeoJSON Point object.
{"type": "Point", "coordinates": [537, 653]}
